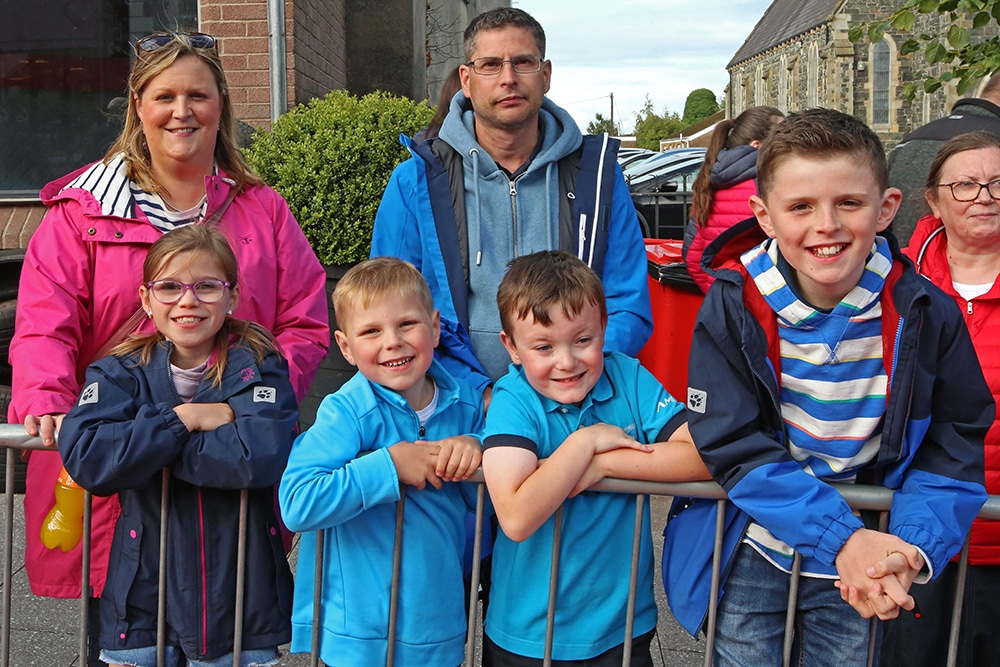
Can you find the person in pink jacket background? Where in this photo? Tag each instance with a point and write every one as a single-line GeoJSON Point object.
{"type": "Point", "coordinates": [725, 183]}
{"type": "Point", "coordinates": [175, 163]}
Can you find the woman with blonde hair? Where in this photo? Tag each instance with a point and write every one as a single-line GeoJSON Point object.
{"type": "Point", "coordinates": [175, 163]}
{"type": "Point", "coordinates": [725, 183]}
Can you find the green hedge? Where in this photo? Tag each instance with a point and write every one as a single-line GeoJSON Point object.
{"type": "Point", "coordinates": [331, 159]}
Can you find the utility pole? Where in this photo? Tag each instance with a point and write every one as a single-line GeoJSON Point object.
{"type": "Point", "coordinates": [612, 114]}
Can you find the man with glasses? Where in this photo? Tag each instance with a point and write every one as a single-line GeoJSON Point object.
{"type": "Point", "coordinates": [510, 174]}
{"type": "Point", "coordinates": [910, 161]}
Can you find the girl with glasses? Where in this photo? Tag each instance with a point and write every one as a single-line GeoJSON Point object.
{"type": "Point", "coordinates": [203, 400]}
{"type": "Point", "coordinates": [176, 163]}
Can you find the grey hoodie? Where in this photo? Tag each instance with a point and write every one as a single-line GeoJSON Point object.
{"type": "Point", "coordinates": [506, 218]}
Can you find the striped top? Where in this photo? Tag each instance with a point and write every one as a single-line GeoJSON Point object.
{"type": "Point", "coordinates": [120, 197]}
{"type": "Point", "coordinates": [833, 379]}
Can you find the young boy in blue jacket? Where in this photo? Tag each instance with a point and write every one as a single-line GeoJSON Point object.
{"type": "Point", "coordinates": [819, 356]}
{"type": "Point", "coordinates": [402, 420]}
{"type": "Point", "coordinates": [566, 415]}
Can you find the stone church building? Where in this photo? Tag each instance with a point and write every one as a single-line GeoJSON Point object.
{"type": "Point", "coordinates": [799, 56]}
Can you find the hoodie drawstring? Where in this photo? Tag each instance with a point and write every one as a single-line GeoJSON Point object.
{"type": "Point", "coordinates": [474, 155]}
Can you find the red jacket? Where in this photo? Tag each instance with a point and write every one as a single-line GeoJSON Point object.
{"type": "Point", "coordinates": [80, 283]}
{"type": "Point", "coordinates": [729, 206]}
{"type": "Point", "coordinates": [928, 249]}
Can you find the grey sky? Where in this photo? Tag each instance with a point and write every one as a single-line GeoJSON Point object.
{"type": "Point", "coordinates": [665, 48]}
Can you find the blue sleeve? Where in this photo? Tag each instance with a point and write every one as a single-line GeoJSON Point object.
{"type": "Point", "coordinates": [659, 413]}
{"type": "Point", "coordinates": [250, 452]}
{"type": "Point", "coordinates": [113, 439]}
{"type": "Point", "coordinates": [396, 232]}
{"type": "Point", "coordinates": [326, 483]}
{"type": "Point", "coordinates": [509, 422]}
{"type": "Point", "coordinates": [626, 287]}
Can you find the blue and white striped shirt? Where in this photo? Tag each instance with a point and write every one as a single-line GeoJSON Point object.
{"type": "Point", "coordinates": [833, 378]}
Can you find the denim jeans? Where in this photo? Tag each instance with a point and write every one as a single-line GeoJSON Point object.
{"type": "Point", "coordinates": [750, 628]}
{"type": "Point", "coordinates": [146, 657]}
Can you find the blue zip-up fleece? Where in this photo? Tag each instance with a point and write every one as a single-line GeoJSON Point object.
{"type": "Point", "coordinates": [937, 414]}
{"type": "Point", "coordinates": [119, 437]}
{"type": "Point", "coordinates": [452, 212]}
{"type": "Point", "coordinates": [340, 479]}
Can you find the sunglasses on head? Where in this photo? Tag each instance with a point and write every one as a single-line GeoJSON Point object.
{"type": "Point", "coordinates": [158, 40]}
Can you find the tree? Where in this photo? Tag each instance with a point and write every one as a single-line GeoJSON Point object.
{"type": "Point", "coordinates": [600, 124]}
{"type": "Point", "coordinates": [951, 44]}
{"type": "Point", "coordinates": [700, 104]}
{"type": "Point", "coordinates": [650, 128]}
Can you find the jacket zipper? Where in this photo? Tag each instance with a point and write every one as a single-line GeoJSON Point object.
{"type": "Point", "coordinates": [513, 210]}
{"type": "Point", "coordinates": [204, 575]}
{"type": "Point", "coordinates": [201, 530]}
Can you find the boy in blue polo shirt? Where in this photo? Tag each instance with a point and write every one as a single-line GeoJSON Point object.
{"type": "Point", "coordinates": [565, 416]}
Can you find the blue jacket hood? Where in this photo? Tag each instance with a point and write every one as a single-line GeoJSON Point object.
{"type": "Point", "coordinates": [734, 165]}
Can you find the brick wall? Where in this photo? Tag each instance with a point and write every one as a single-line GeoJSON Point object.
{"type": "Point", "coordinates": [314, 46]}
{"type": "Point", "coordinates": [319, 56]}
{"type": "Point", "coordinates": [241, 26]}
{"type": "Point", "coordinates": [18, 221]}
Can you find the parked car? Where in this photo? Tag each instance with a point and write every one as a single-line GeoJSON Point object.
{"type": "Point", "coordinates": [660, 161]}
{"type": "Point", "coordinates": [662, 197]}
{"type": "Point", "coordinates": [629, 156]}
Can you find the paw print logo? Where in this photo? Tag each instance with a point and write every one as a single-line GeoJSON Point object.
{"type": "Point", "coordinates": [246, 240]}
{"type": "Point", "coordinates": [264, 395]}
{"type": "Point", "coordinates": [697, 400]}
{"type": "Point", "coordinates": [247, 374]}
{"type": "Point", "coordinates": [89, 394]}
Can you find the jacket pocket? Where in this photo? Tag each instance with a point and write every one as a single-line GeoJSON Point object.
{"type": "Point", "coordinates": [124, 565]}
{"type": "Point", "coordinates": [283, 574]}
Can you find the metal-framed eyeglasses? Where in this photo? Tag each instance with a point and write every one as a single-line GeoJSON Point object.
{"type": "Point", "coordinates": [158, 40]}
{"type": "Point", "coordinates": [969, 190]}
{"type": "Point", "coordinates": [169, 292]}
{"type": "Point", "coordinates": [493, 66]}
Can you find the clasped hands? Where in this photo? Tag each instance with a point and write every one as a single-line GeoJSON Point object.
{"type": "Point", "coordinates": [876, 571]}
{"type": "Point", "coordinates": [433, 462]}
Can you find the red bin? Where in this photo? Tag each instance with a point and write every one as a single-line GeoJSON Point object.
{"type": "Point", "coordinates": [675, 300]}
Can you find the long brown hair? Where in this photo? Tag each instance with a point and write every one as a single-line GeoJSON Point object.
{"type": "Point", "coordinates": [132, 143]}
{"type": "Point", "coordinates": [195, 239]}
{"type": "Point", "coordinates": [754, 124]}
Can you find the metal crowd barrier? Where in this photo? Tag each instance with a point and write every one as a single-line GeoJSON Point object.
{"type": "Point", "coordinates": [13, 438]}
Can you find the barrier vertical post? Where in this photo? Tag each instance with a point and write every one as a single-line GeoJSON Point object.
{"type": "Point", "coordinates": [161, 602]}
{"type": "Point", "coordinates": [477, 551]}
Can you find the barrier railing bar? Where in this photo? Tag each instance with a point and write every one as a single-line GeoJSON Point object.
{"type": "Point", "coordinates": [8, 558]}
{"type": "Point", "coordinates": [317, 619]}
{"type": "Point", "coordinates": [397, 558]}
{"type": "Point", "coordinates": [161, 591]}
{"type": "Point", "coordinates": [241, 582]}
{"type": "Point", "coordinates": [13, 438]}
{"type": "Point", "coordinates": [793, 599]}
{"type": "Point", "coordinates": [633, 581]}
{"type": "Point", "coordinates": [477, 550]}
{"type": "Point", "coordinates": [550, 615]}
